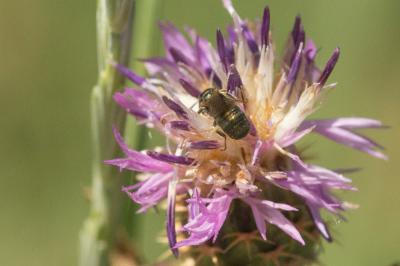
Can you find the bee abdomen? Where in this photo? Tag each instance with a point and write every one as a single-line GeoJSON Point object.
{"type": "Point", "coordinates": [234, 123]}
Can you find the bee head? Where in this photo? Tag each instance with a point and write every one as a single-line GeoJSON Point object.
{"type": "Point", "coordinates": [206, 95]}
{"type": "Point", "coordinates": [212, 102]}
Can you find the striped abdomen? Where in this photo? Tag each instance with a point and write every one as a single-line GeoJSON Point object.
{"type": "Point", "coordinates": [234, 123]}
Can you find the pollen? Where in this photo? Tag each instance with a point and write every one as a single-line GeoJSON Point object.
{"type": "Point", "coordinates": [261, 120]}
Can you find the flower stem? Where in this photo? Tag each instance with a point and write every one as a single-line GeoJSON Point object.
{"type": "Point", "coordinates": [103, 230]}
{"type": "Point", "coordinates": [147, 13]}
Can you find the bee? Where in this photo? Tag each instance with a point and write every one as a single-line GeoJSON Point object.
{"type": "Point", "coordinates": [227, 115]}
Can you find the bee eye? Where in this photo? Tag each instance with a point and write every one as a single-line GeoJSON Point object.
{"type": "Point", "coordinates": [206, 95]}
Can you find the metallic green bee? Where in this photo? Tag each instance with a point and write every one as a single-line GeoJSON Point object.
{"type": "Point", "coordinates": [227, 115]}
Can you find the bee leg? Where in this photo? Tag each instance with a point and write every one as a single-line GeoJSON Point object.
{"type": "Point", "coordinates": [202, 110]}
{"type": "Point", "coordinates": [222, 134]}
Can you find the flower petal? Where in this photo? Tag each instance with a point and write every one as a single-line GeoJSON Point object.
{"type": "Point", "coordinates": [319, 223]}
{"type": "Point", "coordinates": [189, 88]}
{"type": "Point", "coordinates": [330, 65]}
{"type": "Point", "coordinates": [340, 131]}
{"type": "Point", "coordinates": [275, 217]}
{"type": "Point", "coordinates": [171, 232]}
{"type": "Point", "coordinates": [294, 137]}
{"type": "Point", "coordinates": [132, 76]}
{"type": "Point", "coordinates": [173, 38]}
{"type": "Point", "coordinates": [175, 107]}
{"type": "Point", "coordinates": [139, 104]}
{"type": "Point", "coordinates": [170, 158]}
{"type": "Point", "coordinates": [179, 124]}
{"type": "Point", "coordinates": [234, 84]}
{"type": "Point", "coordinates": [137, 161]}
{"type": "Point", "coordinates": [209, 220]}
{"type": "Point", "coordinates": [222, 50]}
{"type": "Point", "coordinates": [150, 192]}
{"type": "Point", "coordinates": [260, 222]}
{"type": "Point", "coordinates": [204, 145]}
{"type": "Point", "coordinates": [267, 210]}
{"type": "Point", "coordinates": [265, 25]}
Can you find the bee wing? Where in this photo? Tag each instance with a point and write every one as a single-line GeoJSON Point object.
{"type": "Point", "coordinates": [229, 96]}
{"type": "Point", "coordinates": [233, 98]}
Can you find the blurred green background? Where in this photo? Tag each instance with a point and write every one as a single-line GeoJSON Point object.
{"type": "Point", "coordinates": [48, 67]}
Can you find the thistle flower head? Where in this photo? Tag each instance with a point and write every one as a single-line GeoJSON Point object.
{"type": "Point", "coordinates": [212, 170]}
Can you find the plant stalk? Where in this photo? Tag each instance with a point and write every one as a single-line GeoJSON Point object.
{"type": "Point", "coordinates": [147, 14]}
{"type": "Point", "coordinates": [103, 230]}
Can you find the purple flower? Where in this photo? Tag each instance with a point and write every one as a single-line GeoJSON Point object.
{"type": "Point", "coordinates": [211, 175]}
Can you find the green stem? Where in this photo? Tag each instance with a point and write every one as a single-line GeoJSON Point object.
{"type": "Point", "coordinates": [148, 11]}
{"type": "Point", "coordinates": [111, 221]}
{"type": "Point", "coordinates": [147, 14]}
{"type": "Point", "coordinates": [102, 230]}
